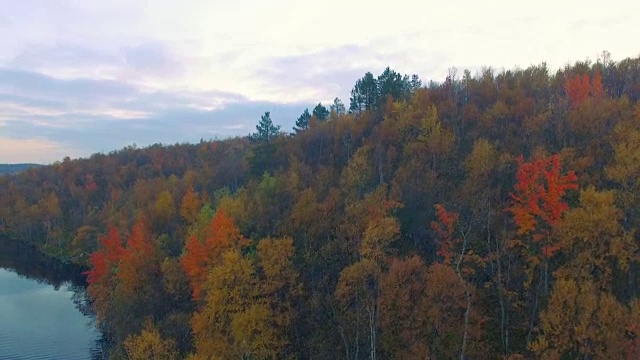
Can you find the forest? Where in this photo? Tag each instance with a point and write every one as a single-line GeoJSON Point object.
{"type": "Point", "coordinates": [6, 169]}
{"type": "Point", "coordinates": [488, 216]}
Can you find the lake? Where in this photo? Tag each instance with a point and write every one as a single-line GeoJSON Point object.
{"type": "Point", "coordinates": [44, 312]}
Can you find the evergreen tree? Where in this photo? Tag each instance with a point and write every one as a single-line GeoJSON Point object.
{"type": "Point", "coordinates": [303, 121]}
{"type": "Point", "coordinates": [364, 95]}
{"type": "Point", "coordinates": [394, 84]}
{"type": "Point", "coordinates": [415, 83]}
{"type": "Point", "coordinates": [320, 112]}
{"type": "Point", "coordinates": [266, 130]}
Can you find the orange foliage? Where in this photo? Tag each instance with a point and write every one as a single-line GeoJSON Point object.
{"type": "Point", "coordinates": [135, 257]}
{"type": "Point", "coordinates": [190, 206]}
{"type": "Point", "coordinates": [537, 200]}
{"type": "Point", "coordinates": [104, 261]}
{"type": "Point", "coordinates": [194, 263]}
{"type": "Point", "coordinates": [579, 87]}
{"type": "Point", "coordinates": [200, 256]}
{"type": "Point", "coordinates": [224, 233]}
{"type": "Point", "coordinates": [444, 229]}
{"type": "Point", "coordinates": [596, 85]}
{"type": "Point", "coordinates": [126, 266]}
{"type": "Point", "coordinates": [109, 253]}
{"type": "Point", "coordinates": [99, 268]}
{"type": "Point", "coordinates": [403, 308]}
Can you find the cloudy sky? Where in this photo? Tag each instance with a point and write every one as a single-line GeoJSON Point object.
{"type": "Point", "coordinates": [85, 76]}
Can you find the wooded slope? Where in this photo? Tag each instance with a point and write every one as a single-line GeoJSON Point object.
{"type": "Point", "coordinates": [487, 216]}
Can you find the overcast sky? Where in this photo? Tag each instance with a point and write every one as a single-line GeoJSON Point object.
{"type": "Point", "coordinates": [85, 76]}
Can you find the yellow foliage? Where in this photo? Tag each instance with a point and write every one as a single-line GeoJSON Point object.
{"type": "Point", "coordinates": [594, 240]}
{"type": "Point", "coordinates": [190, 206]}
{"type": "Point", "coordinates": [377, 237]}
{"type": "Point", "coordinates": [248, 309]}
{"type": "Point", "coordinates": [149, 345]}
{"type": "Point", "coordinates": [581, 321]}
{"type": "Point", "coordinates": [164, 207]}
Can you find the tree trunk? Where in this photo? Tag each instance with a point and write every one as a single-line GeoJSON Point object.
{"type": "Point", "coordinates": [372, 333]}
{"type": "Point", "coordinates": [535, 309]}
{"type": "Point", "coordinates": [466, 323]}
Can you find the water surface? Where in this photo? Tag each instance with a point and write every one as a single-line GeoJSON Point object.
{"type": "Point", "coordinates": [43, 315]}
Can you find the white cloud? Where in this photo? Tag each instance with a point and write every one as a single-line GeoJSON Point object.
{"type": "Point", "coordinates": [130, 59]}
{"type": "Point", "coordinates": [39, 150]}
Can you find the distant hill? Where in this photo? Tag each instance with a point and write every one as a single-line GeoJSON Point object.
{"type": "Point", "coordinates": [6, 169]}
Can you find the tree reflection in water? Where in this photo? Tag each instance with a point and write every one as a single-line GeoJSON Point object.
{"type": "Point", "coordinates": [26, 261]}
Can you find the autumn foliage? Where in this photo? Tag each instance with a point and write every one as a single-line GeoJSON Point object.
{"type": "Point", "coordinates": [580, 87]}
{"type": "Point", "coordinates": [200, 256]}
{"type": "Point", "coordinates": [408, 228]}
{"type": "Point", "coordinates": [444, 229]}
{"type": "Point", "coordinates": [538, 200]}
{"type": "Point", "coordinates": [138, 254]}
{"type": "Point", "coordinates": [103, 263]}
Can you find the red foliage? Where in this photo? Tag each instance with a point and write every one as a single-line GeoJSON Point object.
{"type": "Point", "coordinates": [537, 204]}
{"type": "Point", "coordinates": [579, 87]}
{"type": "Point", "coordinates": [131, 261]}
{"type": "Point", "coordinates": [98, 268]}
{"type": "Point", "coordinates": [90, 184]}
{"type": "Point", "coordinates": [135, 257]}
{"type": "Point", "coordinates": [194, 263]}
{"type": "Point", "coordinates": [202, 256]}
{"type": "Point", "coordinates": [444, 229]}
{"type": "Point", "coordinates": [223, 233]}
{"type": "Point", "coordinates": [140, 241]}
{"type": "Point", "coordinates": [109, 253]}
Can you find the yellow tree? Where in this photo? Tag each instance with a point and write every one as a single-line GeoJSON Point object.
{"type": "Point", "coordinates": [229, 288]}
{"type": "Point", "coordinates": [583, 317]}
{"type": "Point", "coordinates": [624, 168]}
{"type": "Point", "coordinates": [249, 306]}
{"type": "Point", "coordinates": [357, 290]}
{"type": "Point", "coordinates": [190, 206]}
{"type": "Point", "coordinates": [594, 241]}
{"type": "Point", "coordinates": [149, 345]}
{"type": "Point", "coordinates": [581, 321]}
{"type": "Point", "coordinates": [357, 293]}
{"type": "Point", "coordinates": [50, 209]}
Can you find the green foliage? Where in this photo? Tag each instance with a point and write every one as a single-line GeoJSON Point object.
{"type": "Point", "coordinates": [266, 130]}
{"type": "Point", "coordinates": [320, 112]}
{"type": "Point", "coordinates": [364, 95]}
{"type": "Point", "coordinates": [303, 121]}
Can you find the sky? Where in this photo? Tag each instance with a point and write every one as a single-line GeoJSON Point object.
{"type": "Point", "coordinates": [79, 77]}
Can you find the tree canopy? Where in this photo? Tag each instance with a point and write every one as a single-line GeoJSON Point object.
{"type": "Point", "coordinates": [486, 216]}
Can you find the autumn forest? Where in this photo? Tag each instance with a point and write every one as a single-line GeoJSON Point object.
{"type": "Point", "coordinates": [492, 215]}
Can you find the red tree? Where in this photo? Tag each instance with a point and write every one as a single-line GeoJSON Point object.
{"type": "Point", "coordinates": [194, 262]}
{"type": "Point", "coordinates": [580, 87]}
{"type": "Point", "coordinates": [200, 256]}
{"type": "Point", "coordinates": [537, 204]}
{"type": "Point", "coordinates": [136, 258]}
{"type": "Point", "coordinates": [101, 277]}
{"type": "Point", "coordinates": [444, 229]}
{"type": "Point", "coordinates": [108, 254]}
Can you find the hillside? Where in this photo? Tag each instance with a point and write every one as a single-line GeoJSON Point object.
{"type": "Point", "coordinates": [6, 169]}
{"type": "Point", "coordinates": [484, 217]}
